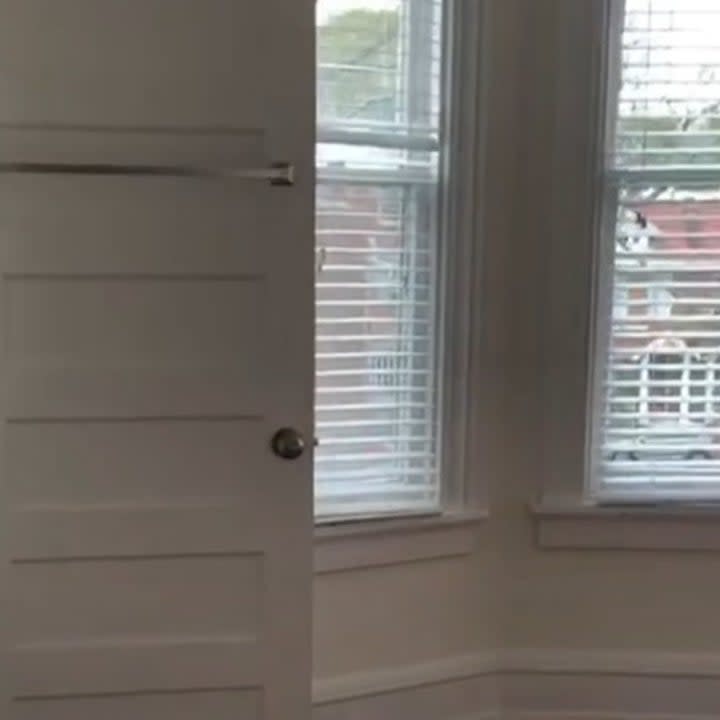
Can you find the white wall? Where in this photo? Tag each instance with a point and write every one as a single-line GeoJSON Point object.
{"type": "Point", "coordinates": [614, 634]}
{"type": "Point", "coordinates": [432, 616]}
{"type": "Point", "coordinates": [608, 634]}
{"type": "Point", "coordinates": [400, 615]}
{"type": "Point", "coordinates": [586, 599]}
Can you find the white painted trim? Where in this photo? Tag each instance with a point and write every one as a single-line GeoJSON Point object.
{"type": "Point", "coordinates": [465, 129]}
{"type": "Point", "coordinates": [376, 543]}
{"type": "Point", "coordinates": [580, 715]}
{"type": "Point", "coordinates": [560, 684]}
{"type": "Point", "coordinates": [576, 100]}
{"type": "Point", "coordinates": [647, 663]}
{"type": "Point", "coordinates": [386, 680]}
{"type": "Point", "coordinates": [601, 202]}
{"type": "Point", "coordinates": [401, 524]}
{"type": "Point", "coordinates": [660, 527]}
{"type": "Point", "coordinates": [518, 661]}
{"type": "Point", "coordinates": [526, 661]}
{"type": "Point", "coordinates": [553, 676]}
{"type": "Point", "coordinates": [463, 132]}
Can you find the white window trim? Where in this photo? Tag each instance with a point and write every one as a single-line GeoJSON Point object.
{"type": "Point", "coordinates": [578, 102]}
{"type": "Point", "coordinates": [669, 526]}
{"type": "Point", "coordinates": [462, 213]}
{"type": "Point", "coordinates": [565, 517]}
{"type": "Point", "coordinates": [381, 543]}
{"type": "Point", "coordinates": [462, 502]}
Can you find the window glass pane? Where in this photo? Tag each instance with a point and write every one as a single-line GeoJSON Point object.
{"type": "Point", "coordinates": [669, 106]}
{"type": "Point", "coordinates": [662, 391]}
{"type": "Point", "coordinates": [659, 415]}
{"type": "Point", "coordinates": [376, 271]}
{"type": "Point", "coordinates": [379, 64]}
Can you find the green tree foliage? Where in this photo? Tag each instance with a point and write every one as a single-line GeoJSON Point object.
{"type": "Point", "coordinates": [358, 54]}
{"type": "Point", "coordinates": [689, 141]}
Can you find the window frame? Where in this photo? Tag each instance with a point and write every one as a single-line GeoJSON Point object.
{"type": "Point", "coordinates": [607, 66]}
{"type": "Point", "coordinates": [611, 181]}
{"type": "Point", "coordinates": [569, 514]}
{"type": "Point", "coordinates": [573, 290]}
{"type": "Point", "coordinates": [458, 211]}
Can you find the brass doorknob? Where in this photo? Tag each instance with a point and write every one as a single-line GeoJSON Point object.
{"type": "Point", "coordinates": [288, 444]}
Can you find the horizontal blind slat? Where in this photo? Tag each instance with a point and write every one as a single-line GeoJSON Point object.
{"type": "Point", "coordinates": [659, 410]}
{"type": "Point", "coordinates": [379, 73]}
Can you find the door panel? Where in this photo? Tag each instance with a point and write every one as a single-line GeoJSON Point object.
{"type": "Point", "coordinates": [133, 665]}
{"type": "Point", "coordinates": [214, 229]}
{"type": "Point", "coordinates": [158, 348]}
{"type": "Point", "coordinates": [152, 63]}
{"type": "Point", "coordinates": [215, 704]}
{"type": "Point", "coordinates": [136, 530]}
{"type": "Point", "coordinates": [155, 333]}
{"type": "Point", "coordinates": [87, 605]}
{"type": "Point", "coordinates": [84, 463]}
{"type": "Point", "coordinates": [133, 225]}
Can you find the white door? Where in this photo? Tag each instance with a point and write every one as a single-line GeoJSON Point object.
{"type": "Point", "coordinates": [156, 332]}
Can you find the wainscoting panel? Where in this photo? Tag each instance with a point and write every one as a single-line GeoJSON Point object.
{"type": "Point", "coordinates": [530, 684]}
{"type": "Point", "coordinates": [602, 685]}
{"type": "Point", "coordinates": [456, 688]}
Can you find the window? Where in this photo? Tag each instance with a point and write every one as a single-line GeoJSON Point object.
{"type": "Point", "coordinates": [380, 67]}
{"type": "Point", "coordinates": [657, 402]}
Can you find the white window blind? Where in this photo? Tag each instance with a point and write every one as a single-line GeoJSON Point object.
{"type": "Point", "coordinates": [377, 408]}
{"type": "Point", "coordinates": [658, 402]}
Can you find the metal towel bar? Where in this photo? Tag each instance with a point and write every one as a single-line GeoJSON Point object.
{"type": "Point", "coordinates": [277, 174]}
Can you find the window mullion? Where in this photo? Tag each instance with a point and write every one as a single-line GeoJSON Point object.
{"type": "Point", "coordinates": [412, 140]}
{"type": "Point", "coordinates": [377, 179]}
{"type": "Point", "coordinates": [395, 176]}
{"type": "Point", "coordinates": [663, 176]}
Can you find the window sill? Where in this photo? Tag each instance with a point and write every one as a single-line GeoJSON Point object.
{"type": "Point", "coordinates": [575, 526]}
{"type": "Point", "coordinates": [376, 543]}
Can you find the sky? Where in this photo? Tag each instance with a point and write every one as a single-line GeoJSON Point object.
{"type": "Point", "coordinates": [325, 8]}
{"type": "Point", "coordinates": [692, 47]}
{"type": "Point", "coordinates": [672, 56]}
